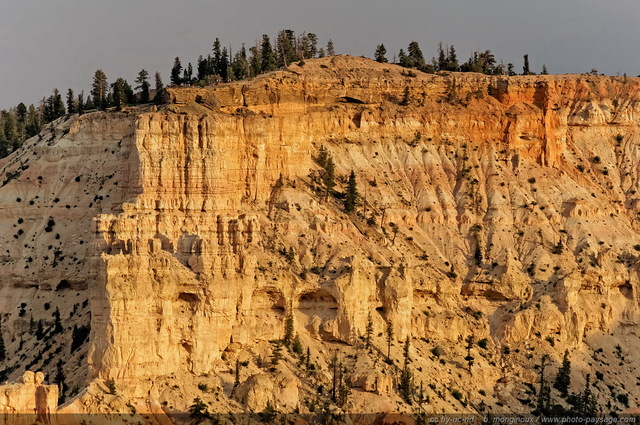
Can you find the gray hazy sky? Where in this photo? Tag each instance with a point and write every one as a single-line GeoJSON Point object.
{"type": "Point", "coordinates": [46, 44]}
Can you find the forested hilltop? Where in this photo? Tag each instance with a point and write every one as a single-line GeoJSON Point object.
{"type": "Point", "coordinates": [223, 65]}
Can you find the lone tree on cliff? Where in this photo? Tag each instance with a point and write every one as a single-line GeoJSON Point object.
{"type": "Point", "coordinates": [525, 68]}
{"type": "Point", "coordinates": [328, 178]}
{"type": "Point", "coordinates": [389, 338]}
{"type": "Point", "coordinates": [331, 50]}
{"type": "Point", "coordinates": [379, 56]}
{"type": "Point", "coordinates": [406, 378]}
{"type": "Point", "coordinates": [351, 200]}
{"type": "Point", "coordinates": [369, 330]}
{"type": "Point", "coordinates": [57, 323]}
{"type": "Point", "coordinates": [322, 157]}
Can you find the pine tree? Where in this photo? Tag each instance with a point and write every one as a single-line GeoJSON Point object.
{"type": "Point", "coordinates": [389, 338]}
{"type": "Point", "coordinates": [21, 113]}
{"type": "Point", "coordinates": [406, 384]}
{"type": "Point", "coordinates": [525, 68]}
{"type": "Point", "coordinates": [255, 60]}
{"type": "Point", "coordinates": [187, 74]}
{"type": "Point", "coordinates": [57, 323]}
{"type": "Point", "coordinates": [323, 156]}
{"type": "Point", "coordinates": [10, 127]}
{"type": "Point", "coordinates": [269, 413]}
{"type": "Point", "coordinates": [452, 91]}
{"type": "Point", "coordinates": [89, 105]}
{"type": "Point", "coordinates": [286, 47]}
{"type": "Point", "coordinates": [224, 65]}
{"type": "Point", "coordinates": [404, 60]}
{"type": "Point", "coordinates": [47, 113]}
{"type": "Point", "coordinates": [405, 352]}
{"type": "Point", "coordinates": [563, 378]}
{"type": "Point", "coordinates": [586, 404]}
{"type": "Point", "coordinates": [328, 178]}
{"type": "Point", "coordinates": [442, 58]}
{"type": "Point", "coordinates": [217, 57]}
{"type": "Point", "coordinates": [469, 358]}
{"type": "Point", "coordinates": [276, 356]}
{"type": "Point", "coordinates": [331, 51]}
{"type": "Point", "coordinates": [176, 72]}
{"type": "Point", "coordinates": [415, 55]}
{"type": "Point", "coordinates": [119, 93]}
{"type": "Point", "coordinates": [201, 68]}
{"type": "Point", "coordinates": [143, 85]}
{"type": "Point", "coordinates": [344, 387]}
{"type": "Point", "coordinates": [380, 53]}
{"type": "Point", "coordinates": [40, 330]}
{"type": "Point", "coordinates": [3, 352]}
{"type": "Point", "coordinates": [159, 89]}
{"type": "Point", "coordinates": [369, 330]}
{"type": "Point", "coordinates": [406, 97]}
{"type": "Point", "coordinates": [335, 367]}
{"type": "Point", "coordinates": [311, 49]}
{"type": "Point", "coordinates": [268, 59]}
{"type": "Point", "coordinates": [288, 330]}
{"type": "Point", "coordinates": [544, 70]}
{"type": "Point", "coordinates": [352, 197]}
{"type": "Point", "coordinates": [240, 65]}
{"type": "Point", "coordinates": [302, 46]}
{"type": "Point", "coordinates": [297, 345]}
{"type": "Point", "coordinates": [99, 89]}
{"type": "Point", "coordinates": [71, 102]}
{"type": "Point", "coordinates": [80, 105]}
{"type": "Point", "coordinates": [198, 410]}
{"type": "Point", "coordinates": [60, 380]}
{"type": "Point", "coordinates": [33, 122]}
{"type": "Point", "coordinates": [452, 59]}
{"type": "Point", "coordinates": [544, 404]}
{"type": "Point", "coordinates": [58, 104]}
{"type": "Point", "coordinates": [237, 380]}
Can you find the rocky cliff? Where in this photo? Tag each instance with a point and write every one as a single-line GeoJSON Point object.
{"type": "Point", "coordinates": [497, 223]}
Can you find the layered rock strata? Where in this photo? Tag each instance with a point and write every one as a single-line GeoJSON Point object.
{"type": "Point", "coordinates": [503, 208]}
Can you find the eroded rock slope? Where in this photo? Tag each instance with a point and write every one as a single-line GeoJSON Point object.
{"type": "Point", "coordinates": [494, 209]}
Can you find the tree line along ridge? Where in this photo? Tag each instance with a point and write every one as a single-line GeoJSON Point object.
{"type": "Point", "coordinates": [19, 123]}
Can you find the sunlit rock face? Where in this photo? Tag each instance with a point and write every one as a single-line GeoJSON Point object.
{"type": "Point", "coordinates": [504, 208]}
